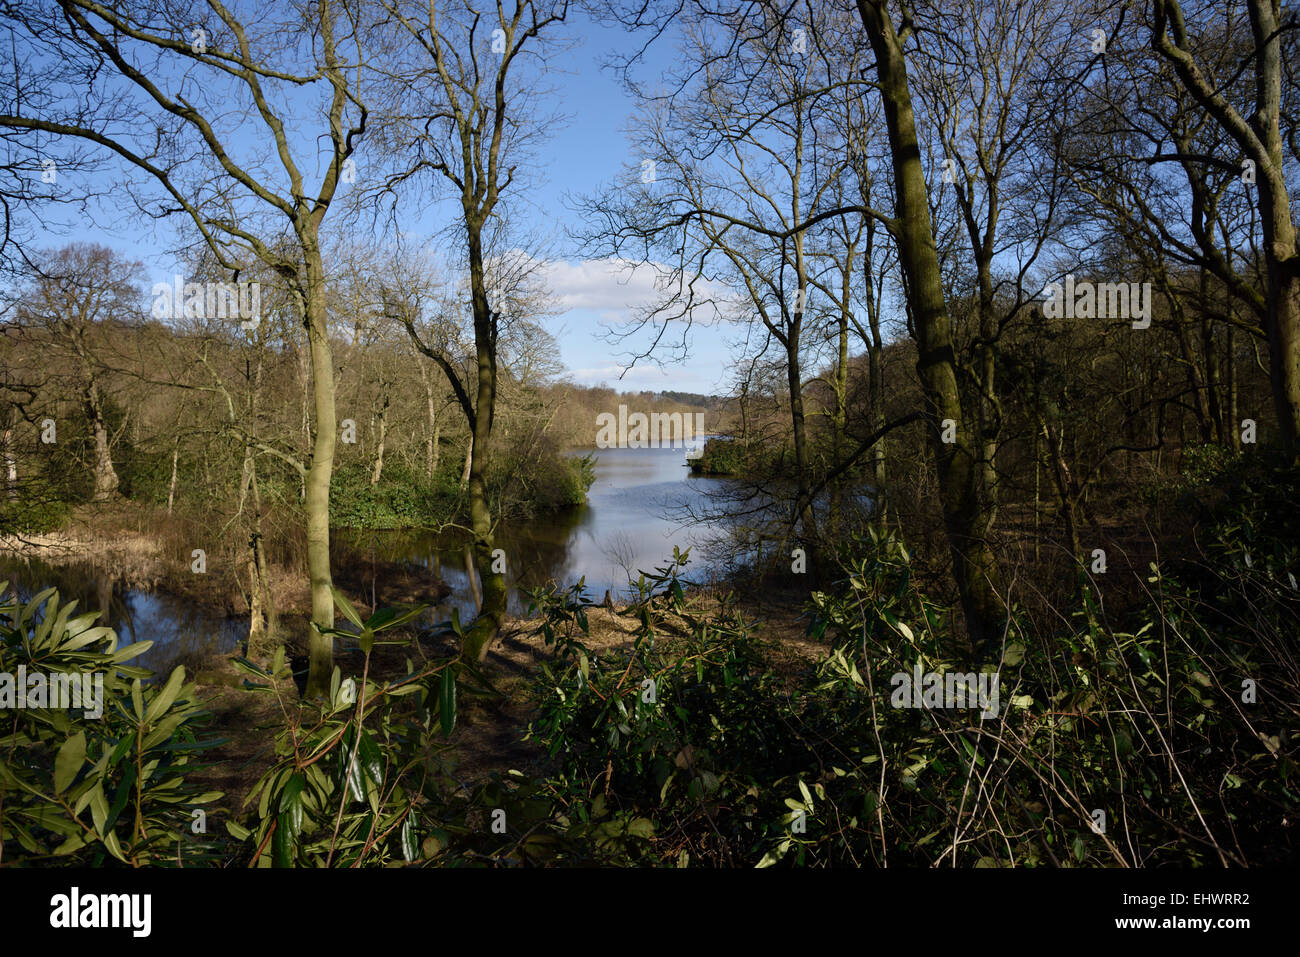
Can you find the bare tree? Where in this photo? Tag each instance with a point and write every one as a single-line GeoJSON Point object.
{"type": "Point", "coordinates": [82, 287]}
{"type": "Point", "coordinates": [163, 78]}
{"type": "Point", "coordinates": [953, 430]}
{"type": "Point", "coordinates": [457, 118]}
{"type": "Point", "coordinates": [1259, 138]}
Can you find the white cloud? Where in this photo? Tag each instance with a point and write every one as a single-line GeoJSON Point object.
{"type": "Point", "coordinates": [645, 373]}
{"type": "Point", "coordinates": [601, 371]}
{"type": "Point", "coordinates": [604, 284]}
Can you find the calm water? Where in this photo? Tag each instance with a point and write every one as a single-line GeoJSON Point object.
{"type": "Point", "coordinates": [635, 513]}
{"type": "Point", "coordinates": [173, 624]}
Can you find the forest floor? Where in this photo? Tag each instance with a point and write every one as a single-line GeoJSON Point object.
{"type": "Point", "coordinates": [491, 731]}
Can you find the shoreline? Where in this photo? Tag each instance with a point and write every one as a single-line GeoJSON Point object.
{"type": "Point", "coordinates": [154, 561]}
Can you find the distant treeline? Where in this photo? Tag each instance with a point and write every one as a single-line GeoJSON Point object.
{"type": "Point", "coordinates": [577, 408]}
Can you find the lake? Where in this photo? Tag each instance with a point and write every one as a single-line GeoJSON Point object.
{"type": "Point", "coordinates": [637, 510]}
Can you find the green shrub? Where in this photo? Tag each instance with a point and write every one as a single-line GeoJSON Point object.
{"type": "Point", "coordinates": [402, 499]}
{"type": "Point", "coordinates": [678, 739]}
{"type": "Point", "coordinates": [1169, 738]}
{"type": "Point", "coordinates": [365, 778]}
{"type": "Point", "coordinates": [720, 457]}
{"type": "Point", "coordinates": [1204, 464]}
{"type": "Point", "coordinates": [39, 507]}
{"type": "Point", "coordinates": [85, 790]}
{"type": "Point", "coordinates": [546, 480]}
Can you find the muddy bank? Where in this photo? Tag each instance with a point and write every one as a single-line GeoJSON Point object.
{"type": "Point", "coordinates": [148, 550]}
{"type": "Point", "coordinates": [491, 730]}
{"type": "Point", "coordinates": [138, 568]}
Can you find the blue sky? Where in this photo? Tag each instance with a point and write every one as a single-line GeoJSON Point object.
{"type": "Point", "coordinates": [578, 156]}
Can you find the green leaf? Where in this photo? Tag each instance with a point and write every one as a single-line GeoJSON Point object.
{"type": "Point", "coordinates": [121, 796]}
{"type": "Point", "coordinates": [130, 651]}
{"type": "Point", "coordinates": [238, 831]}
{"type": "Point", "coordinates": [349, 610]}
{"type": "Point", "coordinates": [28, 612]}
{"type": "Point", "coordinates": [98, 807]}
{"type": "Point", "coordinates": [82, 801]}
{"type": "Point", "coordinates": [87, 637]}
{"type": "Point", "coordinates": [246, 666]}
{"type": "Point", "coordinates": [386, 618]}
{"type": "Point", "coordinates": [807, 797]}
{"type": "Point", "coordinates": [114, 847]}
{"type": "Point", "coordinates": [137, 699]}
{"type": "Point", "coordinates": [282, 843]}
{"type": "Point", "coordinates": [68, 761]}
{"type": "Point", "coordinates": [159, 705]}
{"type": "Point", "coordinates": [352, 776]}
{"type": "Point", "coordinates": [372, 759]}
{"type": "Point", "coordinates": [73, 843]}
{"type": "Point", "coordinates": [291, 803]}
{"type": "Point", "coordinates": [409, 839]}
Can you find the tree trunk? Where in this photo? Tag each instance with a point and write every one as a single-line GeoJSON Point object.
{"type": "Point", "coordinates": [1284, 348]}
{"type": "Point", "coordinates": [794, 381]}
{"type": "Point", "coordinates": [431, 440]}
{"type": "Point", "coordinates": [988, 410]}
{"type": "Point", "coordinates": [378, 470]}
{"type": "Point", "coordinates": [469, 461]}
{"type": "Point", "coordinates": [1067, 489]}
{"type": "Point", "coordinates": [876, 385]}
{"type": "Point", "coordinates": [11, 465]}
{"type": "Point", "coordinates": [262, 620]}
{"type": "Point", "coordinates": [321, 646]}
{"type": "Point", "coordinates": [1233, 436]}
{"type": "Point", "coordinates": [1213, 382]}
{"type": "Point", "coordinates": [1195, 379]}
{"type": "Point", "coordinates": [840, 418]}
{"type": "Point", "coordinates": [171, 486]}
{"type": "Point", "coordinates": [1260, 138]}
{"type": "Point", "coordinates": [1038, 492]}
{"type": "Point", "coordinates": [268, 597]}
{"type": "Point", "coordinates": [479, 638]}
{"type": "Point", "coordinates": [1213, 373]}
{"type": "Point", "coordinates": [105, 476]}
{"type": "Point", "coordinates": [256, 622]}
{"type": "Point", "coordinates": [470, 576]}
{"type": "Point", "coordinates": [263, 627]}
{"type": "Point", "coordinates": [973, 565]}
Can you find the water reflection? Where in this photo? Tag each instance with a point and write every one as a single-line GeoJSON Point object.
{"type": "Point", "coordinates": [178, 628]}
{"type": "Point", "coordinates": [632, 520]}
